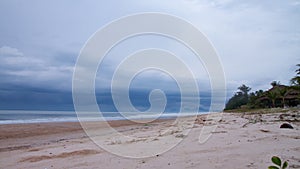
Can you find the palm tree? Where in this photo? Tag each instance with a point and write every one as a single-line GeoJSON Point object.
{"type": "Point", "coordinates": [283, 92]}
{"type": "Point", "coordinates": [296, 80]}
{"type": "Point", "coordinates": [245, 89]}
{"type": "Point", "coordinates": [272, 96]}
{"type": "Point", "coordinates": [275, 83]}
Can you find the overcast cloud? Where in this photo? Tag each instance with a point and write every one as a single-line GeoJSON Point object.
{"type": "Point", "coordinates": [257, 41]}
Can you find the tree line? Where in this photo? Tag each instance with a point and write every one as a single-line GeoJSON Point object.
{"type": "Point", "coordinates": [278, 96]}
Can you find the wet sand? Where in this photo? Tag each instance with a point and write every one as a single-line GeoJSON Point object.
{"type": "Point", "coordinates": [240, 140]}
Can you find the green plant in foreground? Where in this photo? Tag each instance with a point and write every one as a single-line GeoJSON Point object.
{"type": "Point", "coordinates": [277, 161]}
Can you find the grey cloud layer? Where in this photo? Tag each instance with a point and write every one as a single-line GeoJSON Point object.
{"type": "Point", "coordinates": [257, 41]}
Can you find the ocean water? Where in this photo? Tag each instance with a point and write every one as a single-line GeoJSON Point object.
{"type": "Point", "coordinates": [33, 116]}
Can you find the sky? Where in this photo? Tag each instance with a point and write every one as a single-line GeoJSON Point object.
{"type": "Point", "coordinates": [256, 41]}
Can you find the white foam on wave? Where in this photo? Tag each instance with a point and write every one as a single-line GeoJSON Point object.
{"type": "Point", "coordinates": [89, 118]}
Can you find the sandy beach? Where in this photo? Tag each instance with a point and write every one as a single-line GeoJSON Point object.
{"type": "Point", "coordinates": [241, 140]}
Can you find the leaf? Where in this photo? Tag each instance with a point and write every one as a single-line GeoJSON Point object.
{"type": "Point", "coordinates": [285, 164]}
{"type": "Point", "coordinates": [273, 167]}
{"type": "Point", "coordinates": [276, 160]}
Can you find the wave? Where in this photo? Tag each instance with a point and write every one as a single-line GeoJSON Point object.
{"type": "Point", "coordinates": [21, 117]}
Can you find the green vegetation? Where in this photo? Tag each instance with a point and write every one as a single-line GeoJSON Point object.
{"type": "Point", "coordinates": [296, 80]}
{"type": "Point", "coordinates": [239, 99]}
{"type": "Point", "coordinates": [278, 164]}
{"type": "Point", "coordinates": [278, 96]}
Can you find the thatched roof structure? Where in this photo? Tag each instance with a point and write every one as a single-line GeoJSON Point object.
{"type": "Point", "coordinates": [291, 94]}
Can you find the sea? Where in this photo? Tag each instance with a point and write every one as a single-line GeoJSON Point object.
{"type": "Point", "coordinates": [34, 116]}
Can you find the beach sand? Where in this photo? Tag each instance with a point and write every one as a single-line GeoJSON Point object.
{"type": "Point", "coordinates": [240, 140]}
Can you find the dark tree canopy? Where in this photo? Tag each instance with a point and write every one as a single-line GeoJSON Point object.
{"type": "Point", "coordinates": [245, 89]}
{"type": "Point", "coordinates": [278, 96]}
{"type": "Point", "coordinates": [275, 83]}
{"type": "Point", "coordinates": [295, 81]}
{"type": "Point", "coordinates": [240, 98]}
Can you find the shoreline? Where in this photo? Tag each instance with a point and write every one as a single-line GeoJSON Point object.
{"type": "Point", "coordinates": [22, 130]}
{"type": "Point", "coordinates": [240, 141]}
{"type": "Point", "coordinates": [75, 119]}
